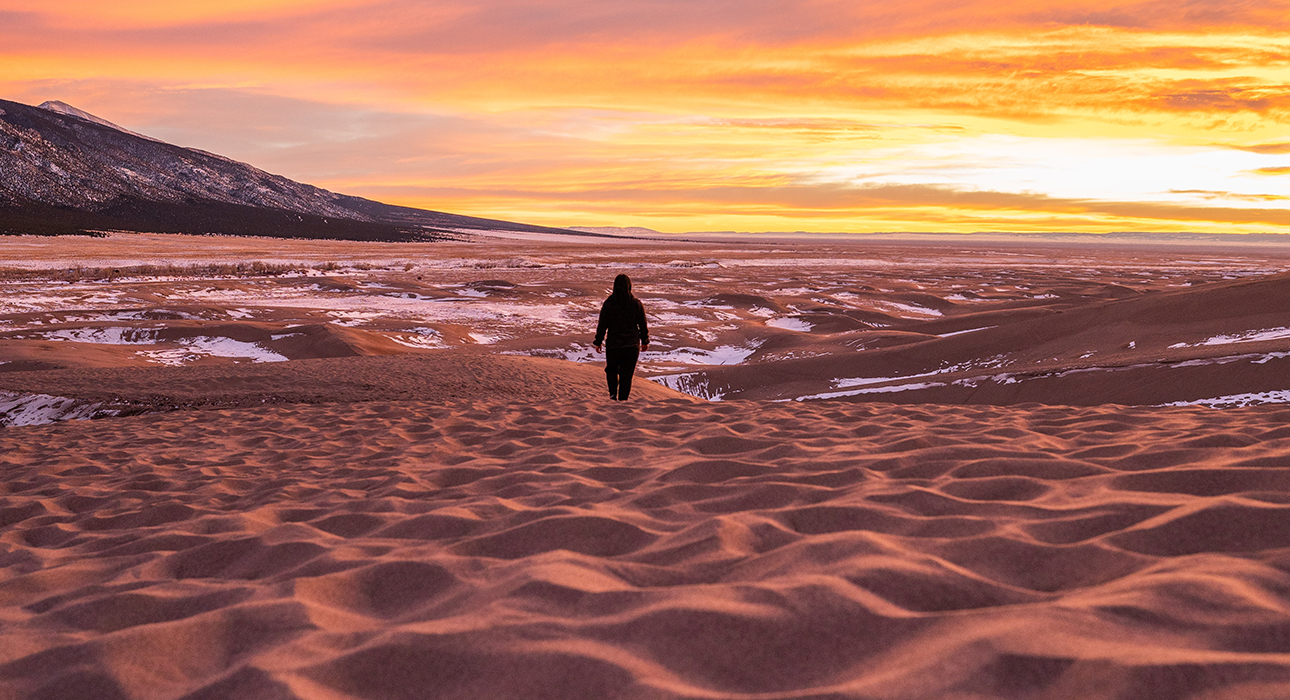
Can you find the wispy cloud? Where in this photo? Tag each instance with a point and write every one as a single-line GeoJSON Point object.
{"type": "Point", "coordinates": [1269, 148]}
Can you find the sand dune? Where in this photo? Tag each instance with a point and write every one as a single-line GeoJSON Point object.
{"type": "Point", "coordinates": [387, 479]}
{"type": "Point", "coordinates": [898, 322]}
{"type": "Point", "coordinates": [656, 549]}
{"type": "Point", "coordinates": [1213, 340]}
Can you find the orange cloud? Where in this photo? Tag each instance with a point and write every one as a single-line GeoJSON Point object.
{"type": "Point", "coordinates": [639, 109]}
{"type": "Point", "coordinates": [1269, 148]}
{"type": "Point", "coordinates": [878, 208]}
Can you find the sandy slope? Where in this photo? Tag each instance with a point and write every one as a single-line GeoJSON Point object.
{"type": "Point", "coordinates": [658, 549]}
{"type": "Point", "coordinates": [1211, 340]}
{"type": "Point", "coordinates": [445, 375]}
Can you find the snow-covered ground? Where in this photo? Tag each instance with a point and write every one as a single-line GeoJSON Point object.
{"type": "Point", "coordinates": [40, 409]}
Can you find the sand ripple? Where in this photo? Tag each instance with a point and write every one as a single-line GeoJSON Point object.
{"type": "Point", "coordinates": [662, 549]}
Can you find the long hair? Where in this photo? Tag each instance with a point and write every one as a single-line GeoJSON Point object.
{"type": "Point", "coordinates": [622, 287]}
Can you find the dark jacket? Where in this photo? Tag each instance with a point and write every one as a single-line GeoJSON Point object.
{"type": "Point", "coordinates": [622, 317]}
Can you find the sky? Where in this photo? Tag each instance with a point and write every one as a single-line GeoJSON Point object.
{"type": "Point", "coordinates": [708, 115]}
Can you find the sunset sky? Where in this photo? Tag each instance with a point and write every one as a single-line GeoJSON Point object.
{"type": "Point", "coordinates": [702, 115]}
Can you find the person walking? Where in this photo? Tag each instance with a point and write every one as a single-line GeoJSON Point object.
{"type": "Point", "coordinates": [625, 334]}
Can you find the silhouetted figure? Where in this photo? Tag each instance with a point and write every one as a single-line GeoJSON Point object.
{"type": "Point", "coordinates": [623, 331]}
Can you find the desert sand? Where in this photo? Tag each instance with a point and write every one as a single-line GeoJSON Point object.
{"type": "Point", "coordinates": [353, 517]}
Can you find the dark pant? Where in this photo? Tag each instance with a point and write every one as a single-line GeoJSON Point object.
{"type": "Point", "coordinates": [620, 363]}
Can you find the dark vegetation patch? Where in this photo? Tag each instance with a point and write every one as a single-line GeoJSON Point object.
{"type": "Point", "coordinates": [202, 217]}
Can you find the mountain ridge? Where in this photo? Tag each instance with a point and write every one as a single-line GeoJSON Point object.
{"type": "Point", "coordinates": [63, 108]}
{"type": "Point", "coordinates": [63, 170]}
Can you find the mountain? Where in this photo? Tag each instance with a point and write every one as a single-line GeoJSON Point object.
{"type": "Point", "coordinates": [64, 108]}
{"type": "Point", "coordinates": [63, 170]}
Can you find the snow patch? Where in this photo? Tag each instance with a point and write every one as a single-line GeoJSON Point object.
{"type": "Point", "coordinates": [790, 324]}
{"type": "Point", "coordinates": [571, 354]}
{"type": "Point", "coordinates": [907, 310]}
{"type": "Point", "coordinates": [422, 338]}
{"type": "Point", "coordinates": [104, 336]}
{"type": "Point", "coordinates": [43, 409]}
{"type": "Point", "coordinates": [1261, 398]}
{"type": "Point", "coordinates": [872, 390]}
{"type": "Point", "coordinates": [204, 346]}
{"type": "Point", "coordinates": [720, 355]}
{"type": "Point", "coordinates": [689, 383]}
{"type": "Point", "coordinates": [353, 318]}
{"type": "Point", "coordinates": [970, 330]}
{"type": "Point", "coordinates": [1246, 337]}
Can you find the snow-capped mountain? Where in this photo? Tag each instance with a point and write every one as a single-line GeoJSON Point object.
{"type": "Point", "coordinates": [64, 170]}
{"type": "Point", "coordinates": [64, 108]}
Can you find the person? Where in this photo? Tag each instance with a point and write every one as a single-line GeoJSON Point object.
{"type": "Point", "coordinates": [625, 334]}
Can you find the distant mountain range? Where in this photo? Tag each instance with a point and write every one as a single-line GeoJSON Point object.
{"type": "Point", "coordinates": [65, 171]}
